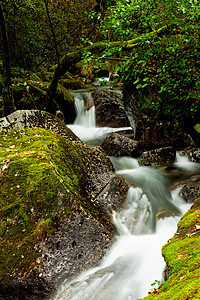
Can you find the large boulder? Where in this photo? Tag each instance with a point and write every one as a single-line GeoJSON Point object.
{"type": "Point", "coordinates": [117, 145]}
{"type": "Point", "coordinates": [158, 157]}
{"type": "Point", "coordinates": [56, 199]}
{"type": "Point", "coordinates": [109, 109]}
{"type": "Point", "coordinates": [191, 190]}
{"type": "Point", "coordinates": [21, 119]}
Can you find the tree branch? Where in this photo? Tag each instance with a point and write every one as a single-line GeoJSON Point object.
{"type": "Point", "coordinates": [73, 57]}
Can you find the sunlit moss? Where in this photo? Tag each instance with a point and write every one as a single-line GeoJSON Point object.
{"type": "Point", "coordinates": [42, 181]}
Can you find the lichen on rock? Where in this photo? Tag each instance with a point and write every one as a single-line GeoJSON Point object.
{"type": "Point", "coordinates": [54, 223]}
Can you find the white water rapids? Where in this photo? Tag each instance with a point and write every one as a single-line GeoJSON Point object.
{"type": "Point", "coordinates": [134, 261]}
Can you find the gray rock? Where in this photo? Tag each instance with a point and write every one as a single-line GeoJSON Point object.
{"type": "Point", "coordinates": [21, 119]}
{"type": "Point", "coordinates": [158, 157]}
{"type": "Point", "coordinates": [193, 154]}
{"type": "Point", "coordinates": [119, 145]}
{"type": "Point", "coordinates": [190, 190]}
{"type": "Point", "coordinates": [82, 238]}
{"type": "Point", "coordinates": [109, 109]}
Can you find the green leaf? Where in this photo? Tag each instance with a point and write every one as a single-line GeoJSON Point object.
{"type": "Point", "coordinates": [137, 80]}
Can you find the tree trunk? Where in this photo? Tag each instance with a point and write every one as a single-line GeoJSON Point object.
{"type": "Point", "coordinates": [8, 100]}
{"type": "Point", "coordinates": [72, 58]}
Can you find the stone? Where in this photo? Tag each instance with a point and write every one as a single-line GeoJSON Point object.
{"type": "Point", "coordinates": [193, 154]}
{"type": "Point", "coordinates": [57, 196]}
{"type": "Point", "coordinates": [189, 188]}
{"type": "Point", "coordinates": [22, 119]}
{"type": "Point", "coordinates": [119, 145]}
{"type": "Point", "coordinates": [109, 109]}
{"type": "Point", "coordinates": [158, 157]}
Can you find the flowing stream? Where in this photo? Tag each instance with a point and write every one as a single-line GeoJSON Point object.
{"type": "Point", "coordinates": [85, 124]}
{"type": "Point", "coordinates": [149, 218]}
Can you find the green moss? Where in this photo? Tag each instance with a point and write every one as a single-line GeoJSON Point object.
{"type": "Point", "coordinates": [43, 227]}
{"type": "Point", "coordinates": [197, 128]}
{"type": "Point", "coordinates": [189, 219]}
{"type": "Point", "coordinates": [43, 182]}
{"type": "Point", "coordinates": [182, 255]}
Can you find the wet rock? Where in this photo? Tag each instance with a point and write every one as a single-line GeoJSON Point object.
{"type": "Point", "coordinates": [105, 187]}
{"type": "Point", "coordinates": [127, 133]}
{"type": "Point", "coordinates": [109, 109]}
{"type": "Point", "coordinates": [31, 287]}
{"type": "Point", "coordinates": [190, 188]}
{"type": "Point", "coordinates": [193, 154]}
{"type": "Point", "coordinates": [158, 157]}
{"type": "Point", "coordinates": [191, 191]}
{"type": "Point", "coordinates": [119, 145]}
{"type": "Point", "coordinates": [166, 273]}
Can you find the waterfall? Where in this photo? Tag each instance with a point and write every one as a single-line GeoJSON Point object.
{"type": "Point", "coordinates": [145, 223]}
{"type": "Point", "coordinates": [85, 125]}
{"type": "Point", "coordinates": [84, 117]}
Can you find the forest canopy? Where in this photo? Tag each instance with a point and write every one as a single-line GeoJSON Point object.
{"type": "Point", "coordinates": [153, 46]}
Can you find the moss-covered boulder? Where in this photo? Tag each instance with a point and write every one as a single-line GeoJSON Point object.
{"type": "Point", "coordinates": [182, 255]}
{"type": "Point", "coordinates": [31, 94]}
{"type": "Point", "coordinates": [56, 195]}
{"type": "Point", "coordinates": [21, 119]}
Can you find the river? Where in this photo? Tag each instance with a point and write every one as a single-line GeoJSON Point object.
{"type": "Point", "coordinates": [134, 261]}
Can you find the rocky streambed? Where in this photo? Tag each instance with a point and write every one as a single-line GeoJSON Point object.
{"type": "Point", "coordinates": [56, 202]}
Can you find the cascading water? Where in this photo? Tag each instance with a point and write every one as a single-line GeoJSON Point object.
{"type": "Point", "coordinates": [85, 124]}
{"type": "Point", "coordinates": [146, 222]}
{"type": "Point", "coordinates": [135, 260]}
{"type": "Point", "coordinates": [84, 117]}
{"type": "Point", "coordinates": [182, 162]}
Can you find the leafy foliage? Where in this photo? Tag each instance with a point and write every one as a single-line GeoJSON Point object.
{"type": "Point", "coordinates": [31, 40]}
{"type": "Point", "coordinates": [163, 70]}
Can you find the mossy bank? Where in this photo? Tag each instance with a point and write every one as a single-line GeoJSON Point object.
{"type": "Point", "coordinates": [48, 213]}
{"type": "Point", "coordinates": [182, 255]}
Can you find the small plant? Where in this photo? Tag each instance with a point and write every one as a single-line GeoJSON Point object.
{"type": "Point", "coordinates": [156, 285]}
{"type": "Point", "coordinates": [158, 282]}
